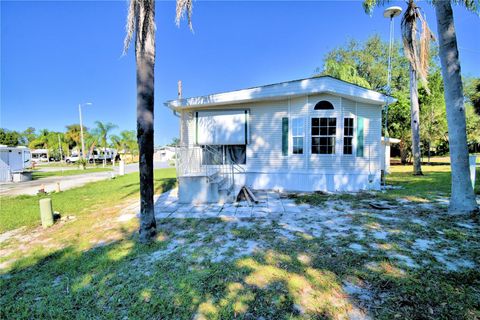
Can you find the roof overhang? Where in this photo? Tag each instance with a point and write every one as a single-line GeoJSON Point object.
{"type": "Point", "coordinates": [280, 91]}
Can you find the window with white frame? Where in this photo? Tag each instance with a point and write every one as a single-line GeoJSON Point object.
{"type": "Point", "coordinates": [297, 135]}
{"type": "Point", "coordinates": [324, 132]}
{"type": "Point", "coordinates": [348, 136]}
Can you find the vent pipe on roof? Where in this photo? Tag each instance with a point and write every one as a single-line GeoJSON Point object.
{"type": "Point", "coordinates": [179, 84]}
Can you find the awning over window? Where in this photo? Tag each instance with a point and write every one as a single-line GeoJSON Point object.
{"type": "Point", "coordinates": [221, 127]}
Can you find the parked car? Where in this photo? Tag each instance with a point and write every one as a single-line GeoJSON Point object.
{"type": "Point", "coordinates": [73, 158]}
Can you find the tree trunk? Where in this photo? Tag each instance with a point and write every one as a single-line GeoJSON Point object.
{"type": "Point", "coordinates": [403, 153]}
{"type": "Point", "coordinates": [462, 199]}
{"type": "Point", "coordinates": [415, 123]}
{"type": "Point", "coordinates": [104, 154]}
{"type": "Point", "coordinates": [429, 147]}
{"type": "Point", "coordinates": [145, 59]}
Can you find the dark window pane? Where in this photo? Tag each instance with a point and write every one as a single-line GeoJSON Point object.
{"type": "Point", "coordinates": [323, 105]}
{"type": "Point", "coordinates": [323, 150]}
{"type": "Point", "coordinates": [323, 122]}
{"type": "Point", "coordinates": [315, 131]}
{"type": "Point", "coordinates": [315, 122]}
{"type": "Point", "coordinates": [332, 122]}
{"type": "Point", "coordinates": [331, 141]}
{"type": "Point", "coordinates": [315, 149]}
{"type": "Point", "coordinates": [297, 150]}
{"type": "Point", "coordinates": [323, 131]}
{"type": "Point", "coordinates": [332, 131]}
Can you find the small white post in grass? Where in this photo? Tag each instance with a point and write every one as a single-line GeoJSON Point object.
{"type": "Point", "coordinates": [121, 167]}
{"type": "Point", "coordinates": [473, 167]}
{"type": "Point", "coordinates": [46, 212]}
{"type": "Point", "coordinates": [57, 187]}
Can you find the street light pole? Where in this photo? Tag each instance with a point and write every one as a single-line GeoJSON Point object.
{"type": "Point", "coordinates": [81, 128]}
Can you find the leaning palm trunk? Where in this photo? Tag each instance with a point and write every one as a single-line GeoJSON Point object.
{"type": "Point", "coordinates": [141, 19]}
{"type": "Point", "coordinates": [462, 197]}
{"type": "Point", "coordinates": [415, 123]}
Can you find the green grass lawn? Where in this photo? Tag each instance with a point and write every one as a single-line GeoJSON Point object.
{"type": "Point", "coordinates": [24, 211]}
{"type": "Point", "coordinates": [70, 172]}
{"type": "Point", "coordinates": [435, 182]}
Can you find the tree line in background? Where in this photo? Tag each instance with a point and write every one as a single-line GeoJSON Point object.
{"type": "Point", "coordinates": [365, 64]}
{"type": "Point", "coordinates": [62, 143]}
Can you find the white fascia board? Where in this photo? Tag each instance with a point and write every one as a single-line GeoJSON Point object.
{"type": "Point", "coordinates": [281, 91]}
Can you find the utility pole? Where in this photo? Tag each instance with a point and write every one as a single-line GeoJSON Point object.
{"type": "Point", "coordinates": [82, 156]}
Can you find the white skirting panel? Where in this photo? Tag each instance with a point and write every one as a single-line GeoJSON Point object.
{"type": "Point", "coordinates": [313, 181]}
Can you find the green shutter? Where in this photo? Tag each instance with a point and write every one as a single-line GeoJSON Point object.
{"type": "Point", "coordinates": [360, 136]}
{"type": "Point", "coordinates": [285, 136]}
{"type": "Point", "coordinates": [246, 126]}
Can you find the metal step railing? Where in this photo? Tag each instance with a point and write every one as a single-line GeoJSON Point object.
{"type": "Point", "coordinates": [206, 161]}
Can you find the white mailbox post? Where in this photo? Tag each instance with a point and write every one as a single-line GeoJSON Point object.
{"type": "Point", "coordinates": [121, 168]}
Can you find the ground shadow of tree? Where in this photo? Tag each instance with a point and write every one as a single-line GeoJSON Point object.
{"type": "Point", "coordinates": [124, 279]}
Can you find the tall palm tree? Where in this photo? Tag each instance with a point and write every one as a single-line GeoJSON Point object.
{"type": "Point", "coordinates": [418, 56]}
{"type": "Point", "coordinates": [103, 130]}
{"type": "Point", "coordinates": [141, 21]}
{"type": "Point", "coordinates": [125, 142]}
{"type": "Point", "coordinates": [72, 135]}
{"type": "Point", "coordinates": [462, 199]}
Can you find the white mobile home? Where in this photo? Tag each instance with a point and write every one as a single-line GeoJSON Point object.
{"type": "Point", "coordinates": [164, 154]}
{"type": "Point", "coordinates": [311, 134]}
{"type": "Point", "coordinates": [13, 162]}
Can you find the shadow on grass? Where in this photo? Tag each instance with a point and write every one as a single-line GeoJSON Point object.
{"type": "Point", "coordinates": [292, 279]}
{"type": "Point", "coordinates": [161, 185]}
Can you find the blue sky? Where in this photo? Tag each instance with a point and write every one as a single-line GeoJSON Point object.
{"type": "Point", "coordinates": [55, 55]}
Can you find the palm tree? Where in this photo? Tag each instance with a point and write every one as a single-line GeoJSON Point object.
{"type": "Point", "coordinates": [462, 199]}
{"type": "Point", "coordinates": [73, 135]}
{"type": "Point", "coordinates": [418, 56]}
{"type": "Point", "coordinates": [125, 142]}
{"type": "Point", "coordinates": [141, 21]}
{"type": "Point", "coordinates": [92, 140]}
{"type": "Point", "coordinates": [103, 129]}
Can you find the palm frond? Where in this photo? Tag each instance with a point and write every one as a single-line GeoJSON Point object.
{"type": "Point", "coordinates": [130, 25]}
{"type": "Point", "coordinates": [409, 34]}
{"type": "Point", "coordinates": [369, 5]}
{"type": "Point", "coordinates": [426, 37]}
{"type": "Point", "coordinates": [184, 7]}
{"type": "Point", "coordinates": [417, 50]}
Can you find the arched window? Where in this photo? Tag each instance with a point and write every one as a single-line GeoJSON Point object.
{"type": "Point", "coordinates": [323, 105]}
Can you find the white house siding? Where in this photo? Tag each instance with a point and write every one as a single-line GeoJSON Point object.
{"type": "Point", "coordinates": [267, 168]}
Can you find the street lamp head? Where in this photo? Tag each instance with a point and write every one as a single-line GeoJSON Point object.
{"type": "Point", "coordinates": [392, 12]}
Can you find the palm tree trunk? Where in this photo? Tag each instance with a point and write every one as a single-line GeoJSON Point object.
{"type": "Point", "coordinates": [462, 198]}
{"type": "Point", "coordinates": [104, 153]}
{"type": "Point", "coordinates": [145, 58]}
{"type": "Point", "coordinates": [415, 123]}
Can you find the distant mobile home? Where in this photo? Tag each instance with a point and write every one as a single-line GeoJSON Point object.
{"type": "Point", "coordinates": [164, 154]}
{"type": "Point", "coordinates": [13, 162]}
{"type": "Point", "coordinates": [314, 134]}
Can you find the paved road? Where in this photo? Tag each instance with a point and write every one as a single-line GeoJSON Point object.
{"type": "Point", "coordinates": [66, 182]}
